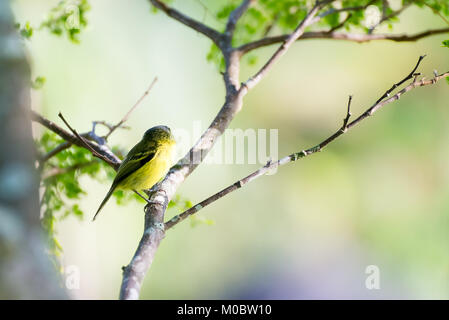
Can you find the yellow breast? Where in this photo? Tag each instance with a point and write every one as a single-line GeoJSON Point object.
{"type": "Point", "coordinates": [153, 171]}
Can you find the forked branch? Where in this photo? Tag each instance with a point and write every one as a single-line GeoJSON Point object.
{"type": "Point", "coordinates": [385, 99]}
{"type": "Point", "coordinates": [155, 228]}
{"type": "Point", "coordinates": [235, 16]}
{"type": "Point", "coordinates": [354, 37]}
{"type": "Point", "coordinates": [105, 153]}
{"type": "Point", "coordinates": [308, 20]}
{"type": "Point", "coordinates": [186, 20]}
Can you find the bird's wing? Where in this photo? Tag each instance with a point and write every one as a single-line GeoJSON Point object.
{"type": "Point", "coordinates": [137, 157]}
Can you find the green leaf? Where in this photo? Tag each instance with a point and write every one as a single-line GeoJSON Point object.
{"type": "Point", "coordinates": [77, 211]}
{"type": "Point", "coordinates": [119, 196]}
{"type": "Point", "coordinates": [252, 59]}
{"type": "Point", "coordinates": [38, 83]}
{"type": "Point", "coordinates": [226, 11]}
{"type": "Point", "coordinates": [27, 31]}
{"type": "Point", "coordinates": [67, 17]}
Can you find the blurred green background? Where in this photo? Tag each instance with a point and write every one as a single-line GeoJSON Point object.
{"type": "Point", "coordinates": [377, 196]}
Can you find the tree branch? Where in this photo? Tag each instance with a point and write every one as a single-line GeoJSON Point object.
{"type": "Point", "coordinates": [57, 171]}
{"type": "Point", "coordinates": [236, 15]}
{"type": "Point", "coordinates": [348, 115]}
{"type": "Point", "coordinates": [232, 106]}
{"type": "Point", "coordinates": [355, 37]}
{"type": "Point", "coordinates": [125, 118]}
{"type": "Point", "coordinates": [437, 13]}
{"type": "Point", "coordinates": [390, 16]}
{"type": "Point", "coordinates": [106, 154]}
{"type": "Point", "coordinates": [346, 9]}
{"type": "Point", "coordinates": [55, 151]}
{"type": "Point", "coordinates": [134, 273]}
{"type": "Point", "coordinates": [308, 20]}
{"type": "Point", "coordinates": [382, 101]}
{"type": "Point", "coordinates": [164, 191]}
{"type": "Point", "coordinates": [91, 135]}
{"type": "Point", "coordinates": [161, 193]}
{"type": "Point", "coordinates": [193, 24]}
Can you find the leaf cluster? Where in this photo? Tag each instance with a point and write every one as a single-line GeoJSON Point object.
{"type": "Point", "coordinates": [68, 18]}
{"type": "Point", "coordinates": [275, 17]}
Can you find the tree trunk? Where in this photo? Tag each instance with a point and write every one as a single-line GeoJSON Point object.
{"type": "Point", "coordinates": [25, 270]}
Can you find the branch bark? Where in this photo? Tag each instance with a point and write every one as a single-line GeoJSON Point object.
{"type": "Point", "coordinates": [382, 101]}
{"type": "Point", "coordinates": [55, 151]}
{"type": "Point", "coordinates": [308, 20]}
{"type": "Point", "coordinates": [354, 37]}
{"type": "Point", "coordinates": [191, 23]}
{"type": "Point", "coordinates": [154, 232]}
{"type": "Point", "coordinates": [105, 153]}
{"type": "Point", "coordinates": [57, 171]}
{"type": "Point", "coordinates": [154, 229]}
{"type": "Point", "coordinates": [160, 195]}
{"type": "Point", "coordinates": [125, 118]}
{"type": "Point", "coordinates": [164, 191]}
{"type": "Point", "coordinates": [236, 15]}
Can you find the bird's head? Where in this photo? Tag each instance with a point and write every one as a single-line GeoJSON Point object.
{"type": "Point", "coordinates": [161, 134]}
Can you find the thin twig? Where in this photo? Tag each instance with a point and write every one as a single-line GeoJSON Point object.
{"type": "Point", "coordinates": [271, 25]}
{"type": "Point", "coordinates": [341, 24]}
{"type": "Point", "coordinates": [125, 118]}
{"type": "Point", "coordinates": [109, 126]}
{"type": "Point", "coordinates": [355, 37]}
{"type": "Point", "coordinates": [348, 115]}
{"type": "Point", "coordinates": [396, 85]}
{"type": "Point", "coordinates": [346, 9]}
{"type": "Point", "coordinates": [86, 144]}
{"type": "Point", "coordinates": [438, 13]}
{"type": "Point", "coordinates": [236, 15]}
{"type": "Point", "coordinates": [61, 147]}
{"type": "Point", "coordinates": [66, 144]}
{"type": "Point", "coordinates": [57, 171]}
{"type": "Point", "coordinates": [154, 232]}
{"type": "Point", "coordinates": [308, 20]}
{"type": "Point", "coordinates": [207, 12]}
{"type": "Point", "coordinates": [298, 155]}
{"type": "Point", "coordinates": [192, 23]}
{"type": "Point", "coordinates": [108, 156]}
{"type": "Point", "coordinates": [390, 16]}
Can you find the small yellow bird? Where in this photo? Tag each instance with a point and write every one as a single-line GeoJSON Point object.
{"type": "Point", "coordinates": [145, 164]}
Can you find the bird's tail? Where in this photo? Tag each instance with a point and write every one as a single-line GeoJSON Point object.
{"type": "Point", "coordinates": [104, 201]}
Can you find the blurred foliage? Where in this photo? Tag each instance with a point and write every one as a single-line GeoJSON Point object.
{"type": "Point", "coordinates": [446, 44]}
{"type": "Point", "coordinates": [61, 187]}
{"type": "Point", "coordinates": [38, 83]}
{"type": "Point", "coordinates": [182, 204]}
{"type": "Point", "coordinates": [62, 190]}
{"type": "Point", "coordinates": [267, 17]}
{"type": "Point", "coordinates": [198, 219]}
{"type": "Point", "coordinates": [61, 174]}
{"type": "Point", "coordinates": [440, 6]}
{"type": "Point", "coordinates": [60, 184]}
{"type": "Point", "coordinates": [67, 17]}
{"type": "Point", "coordinates": [26, 31]}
